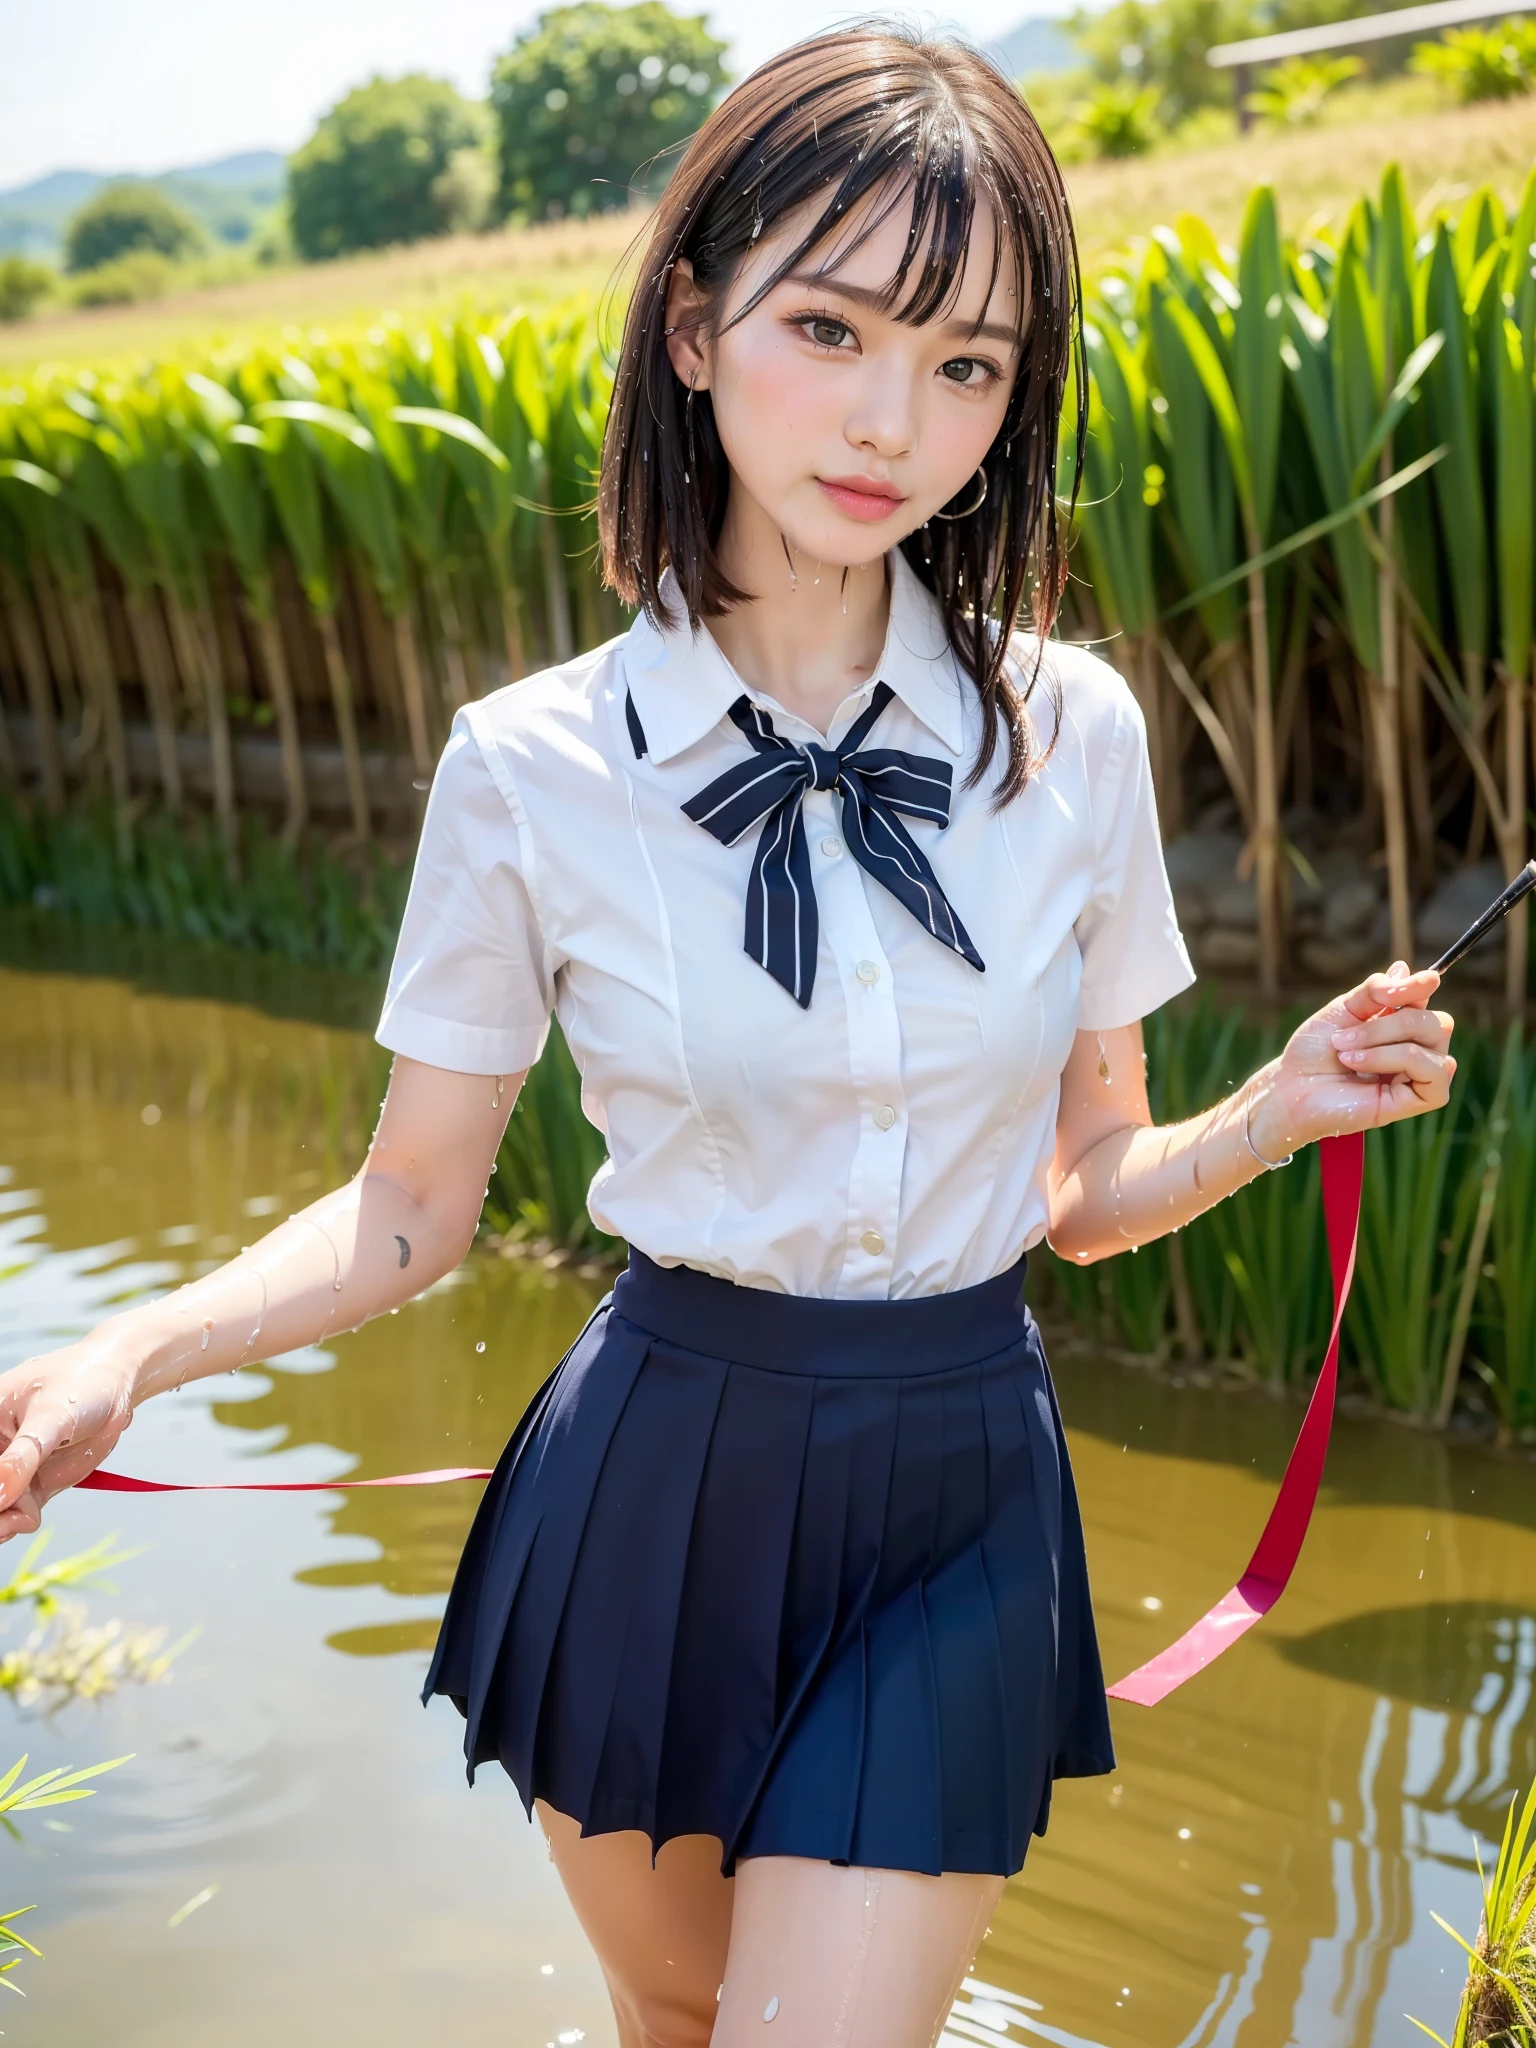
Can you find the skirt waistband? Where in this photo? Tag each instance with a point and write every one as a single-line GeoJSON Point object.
{"type": "Point", "coordinates": [835, 1339]}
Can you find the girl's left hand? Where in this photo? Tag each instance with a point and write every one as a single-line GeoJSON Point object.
{"type": "Point", "coordinates": [1373, 1056]}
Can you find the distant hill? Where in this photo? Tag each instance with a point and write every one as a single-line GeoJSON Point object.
{"type": "Point", "coordinates": [1039, 43]}
{"type": "Point", "coordinates": [230, 198]}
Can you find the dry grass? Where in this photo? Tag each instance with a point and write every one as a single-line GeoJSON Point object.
{"type": "Point", "coordinates": [1318, 172]}
{"type": "Point", "coordinates": [517, 266]}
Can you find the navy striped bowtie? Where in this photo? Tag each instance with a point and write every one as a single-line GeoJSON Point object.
{"type": "Point", "coordinates": [782, 925]}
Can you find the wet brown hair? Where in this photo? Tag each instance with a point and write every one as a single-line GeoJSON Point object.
{"type": "Point", "coordinates": [870, 111]}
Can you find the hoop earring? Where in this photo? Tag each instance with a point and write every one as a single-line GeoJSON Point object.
{"type": "Point", "coordinates": [966, 511]}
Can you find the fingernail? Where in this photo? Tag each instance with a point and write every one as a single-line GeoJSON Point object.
{"type": "Point", "coordinates": [1345, 1037]}
{"type": "Point", "coordinates": [1352, 1056]}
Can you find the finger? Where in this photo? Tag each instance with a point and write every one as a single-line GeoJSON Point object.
{"type": "Point", "coordinates": [23, 1518]}
{"type": "Point", "coordinates": [1416, 1063]}
{"type": "Point", "coordinates": [1397, 989]}
{"type": "Point", "coordinates": [39, 1433]}
{"type": "Point", "coordinates": [1425, 1027]}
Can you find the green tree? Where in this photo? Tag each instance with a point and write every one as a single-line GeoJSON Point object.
{"type": "Point", "coordinates": [22, 285]}
{"type": "Point", "coordinates": [1117, 119]}
{"type": "Point", "coordinates": [1496, 63]}
{"type": "Point", "coordinates": [376, 170]}
{"type": "Point", "coordinates": [588, 96]}
{"type": "Point", "coordinates": [1160, 45]}
{"type": "Point", "coordinates": [126, 217]}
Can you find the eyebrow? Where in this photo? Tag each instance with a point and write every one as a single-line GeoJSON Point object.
{"type": "Point", "coordinates": [988, 330]}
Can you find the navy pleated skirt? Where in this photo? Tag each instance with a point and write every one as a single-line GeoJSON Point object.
{"type": "Point", "coordinates": [807, 1576]}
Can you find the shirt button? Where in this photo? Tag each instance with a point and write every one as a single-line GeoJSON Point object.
{"type": "Point", "coordinates": [868, 971]}
{"type": "Point", "coordinates": [873, 1243]}
{"type": "Point", "coordinates": [885, 1116]}
{"type": "Point", "coordinates": [831, 847]}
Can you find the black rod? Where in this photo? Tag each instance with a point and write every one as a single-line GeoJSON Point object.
{"type": "Point", "coordinates": [1480, 926]}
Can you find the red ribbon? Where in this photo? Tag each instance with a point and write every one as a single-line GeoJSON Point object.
{"type": "Point", "coordinates": [119, 1482]}
{"type": "Point", "coordinates": [1270, 1567]}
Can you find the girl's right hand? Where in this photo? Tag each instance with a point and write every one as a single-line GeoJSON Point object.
{"type": "Point", "coordinates": [60, 1416]}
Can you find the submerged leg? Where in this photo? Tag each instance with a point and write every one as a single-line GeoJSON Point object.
{"type": "Point", "coordinates": [827, 1957]}
{"type": "Point", "coordinates": [660, 1933]}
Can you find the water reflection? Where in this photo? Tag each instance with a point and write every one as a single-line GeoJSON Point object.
{"type": "Point", "coordinates": [1260, 1870]}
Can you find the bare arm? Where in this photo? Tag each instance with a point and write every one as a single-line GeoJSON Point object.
{"type": "Point", "coordinates": [406, 1219]}
{"type": "Point", "coordinates": [1370, 1057]}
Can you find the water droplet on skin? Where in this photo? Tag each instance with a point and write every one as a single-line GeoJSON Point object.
{"type": "Point", "coordinates": [336, 1285]}
{"type": "Point", "coordinates": [771, 2009]}
{"type": "Point", "coordinates": [207, 1333]}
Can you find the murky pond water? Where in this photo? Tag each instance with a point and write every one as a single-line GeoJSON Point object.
{"type": "Point", "coordinates": [1261, 1871]}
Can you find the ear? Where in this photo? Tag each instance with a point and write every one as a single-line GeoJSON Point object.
{"type": "Point", "coordinates": [686, 309]}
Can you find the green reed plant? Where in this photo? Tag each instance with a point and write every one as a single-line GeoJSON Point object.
{"type": "Point", "coordinates": [1504, 1332]}
{"type": "Point", "coordinates": [93, 1663]}
{"type": "Point", "coordinates": [58, 1787]}
{"type": "Point", "coordinates": [1416, 1218]}
{"type": "Point", "coordinates": [305, 904]}
{"type": "Point", "coordinates": [357, 538]}
{"type": "Point", "coordinates": [1248, 1283]}
{"type": "Point", "coordinates": [1498, 2005]}
{"type": "Point", "coordinates": [1195, 1054]}
{"type": "Point", "coordinates": [1270, 1240]}
{"type": "Point", "coordinates": [538, 1192]}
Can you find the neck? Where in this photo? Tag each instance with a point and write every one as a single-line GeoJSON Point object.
{"type": "Point", "coordinates": [810, 636]}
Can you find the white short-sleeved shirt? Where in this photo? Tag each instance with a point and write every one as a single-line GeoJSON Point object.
{"type": "Point", "coordinates": [893, 1138]}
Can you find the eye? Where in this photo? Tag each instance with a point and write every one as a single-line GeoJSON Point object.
{"type": "Point", "coordinates": [971, 373]}
{"type": "Point", "coordinates": [824, 329]}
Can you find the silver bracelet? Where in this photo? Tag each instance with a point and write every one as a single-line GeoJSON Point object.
{"type": "Point", "coordinates": [1269, 1165]}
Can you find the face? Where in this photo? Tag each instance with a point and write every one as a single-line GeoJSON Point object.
{"type": "Point", "coordinates": [845, 427]}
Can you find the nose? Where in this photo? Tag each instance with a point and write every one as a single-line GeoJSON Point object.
{"type": "Point", "coordinates": [883, 421]}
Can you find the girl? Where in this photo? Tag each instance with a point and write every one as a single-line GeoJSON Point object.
{"type": "Point", "coordinates": [850, 900]}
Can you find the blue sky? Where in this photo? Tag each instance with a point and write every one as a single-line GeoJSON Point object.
{"type": "Point", "coordinates": [146, 84]}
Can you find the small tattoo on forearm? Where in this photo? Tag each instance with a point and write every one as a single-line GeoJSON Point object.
{"type": "Point", "coordinates": [405, 1251]}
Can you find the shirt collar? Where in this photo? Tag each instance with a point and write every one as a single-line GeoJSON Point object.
{"type": "Point", "coordinates": [683, 685]}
